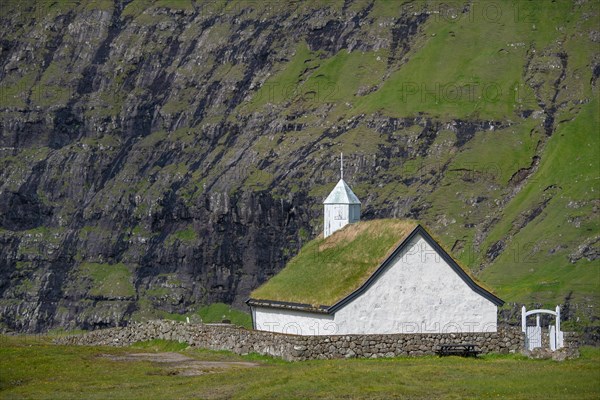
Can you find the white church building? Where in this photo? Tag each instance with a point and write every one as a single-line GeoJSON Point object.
{"type": "Point", "coordinates": [414, 287]}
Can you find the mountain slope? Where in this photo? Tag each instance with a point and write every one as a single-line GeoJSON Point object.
{"type": "Point", "coordinates": [158, 156]}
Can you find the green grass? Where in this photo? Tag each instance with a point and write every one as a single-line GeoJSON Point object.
{"type": "Point", "coordinates": [480, 171]}
{"type": "Point", "coordinates": [109, 280]}
{"type": "Point", "coordinates": [467, 67]}
{"type": "Point", "coordinates": [465, 51]}
{"type": "Point", "coordinates": [32, 368]}
{"type": "Point", "coordinates": [258, 179]}
{"type": "Point", "coordinates": [308, 80]}
{"type": "Point", "coordinates": [283, 85]}
{"type": "Point", "coordinates": [187, 234]}
{"type": "Point", "coordinates": [499, 153]}
{"type": "Point", "coordinates": [137, 7]}
{"type": "Point", "coordinates": [326, 270]}
{"type": "Point", "coordinates": [569, 170]}
{"type": "Point", "coordinates": [160, 345]}
{"type": "Point", "coordinates": [217, 312]}
{"type": "Point", "coordinates": [214, 313]}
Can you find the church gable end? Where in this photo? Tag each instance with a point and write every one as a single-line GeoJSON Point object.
{"type": "Point", "coordinates": [419, 288]}
{"type": "Point", "coordinates": [420, 231]}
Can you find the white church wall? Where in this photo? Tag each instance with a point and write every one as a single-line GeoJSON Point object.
{"type": "Point", "coordinates": [293, 322]}
{"type": "Point", "coordinates": [419, 293]}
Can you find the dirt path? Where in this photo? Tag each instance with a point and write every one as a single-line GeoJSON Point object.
{"type": "Point", "coordinates": [179, 364]}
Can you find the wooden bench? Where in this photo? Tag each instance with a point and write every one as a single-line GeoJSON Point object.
{"type": "Point", "coordinates": [465, 350]}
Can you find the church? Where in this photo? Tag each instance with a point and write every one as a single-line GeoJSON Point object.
{"type": "Point", "coordinates": [372, 277]}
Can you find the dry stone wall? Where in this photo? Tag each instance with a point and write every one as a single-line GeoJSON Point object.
{"type": "Point", "coordinates": [297, 348]}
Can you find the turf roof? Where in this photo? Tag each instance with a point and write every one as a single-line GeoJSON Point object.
{"type": "Point", "coordinates": [327, 270]}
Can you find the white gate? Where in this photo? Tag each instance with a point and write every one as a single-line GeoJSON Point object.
{"type": "Point", "coordinates": [533, 337]}
{"type": "Point", "coordinates": [533, 334]}
{"type": "Point", "coordinates": [556, 338]}
{"type": "Point", "coordinates": [552, 333]}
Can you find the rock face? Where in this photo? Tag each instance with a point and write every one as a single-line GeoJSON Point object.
{"type": "Point", "coordinates": [154, 158]}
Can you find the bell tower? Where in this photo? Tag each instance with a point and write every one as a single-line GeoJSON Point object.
{"type": "Point", "coordinates": [341, 207]}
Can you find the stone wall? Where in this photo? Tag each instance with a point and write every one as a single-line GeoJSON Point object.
{"type": "Point", "coordinates": [296, 348]}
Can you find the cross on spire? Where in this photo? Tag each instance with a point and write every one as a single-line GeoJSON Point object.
{"type": "Point", "coordinates": [342, 165]}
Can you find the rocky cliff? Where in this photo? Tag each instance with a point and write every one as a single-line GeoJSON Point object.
{"type": "Point", "coordinates": [156, 156]}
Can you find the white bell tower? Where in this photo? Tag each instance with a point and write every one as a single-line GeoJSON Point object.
{"type": "Point", "coordinates": [342, 207]}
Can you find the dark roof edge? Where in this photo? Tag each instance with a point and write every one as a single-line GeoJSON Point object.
{"type": "Point", "coordinates": [288, 305]}
{"type": "Point", "coordinates": [433, 243]}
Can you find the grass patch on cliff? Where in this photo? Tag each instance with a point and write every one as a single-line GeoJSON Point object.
{"type": "Point", "coordinates": [109, 280]}
{"type": "Point", "coordinates": [284, 83]}
{"type": "Point", "coordinates": [308, 80]}
{"type": "Point", "coordinates": [258, 179]}
{"type": "Point", "coordinates": [34, 368]}
{"type": "Point", "coordinates": [138, 7]}
{"type": "Point", "coordinates": [188, 234]}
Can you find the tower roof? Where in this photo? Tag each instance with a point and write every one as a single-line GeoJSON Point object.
{"type": "Point", "coordinates": [341, 194]}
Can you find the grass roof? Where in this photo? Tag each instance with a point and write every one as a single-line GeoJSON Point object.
{"type": "Point", "coordinates": [327, 270]}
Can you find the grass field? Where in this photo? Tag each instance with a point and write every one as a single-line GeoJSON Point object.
{"type": "Point", "coordinates": [218, 312]}
{"type": "Point", "coordinates": [213, 313]}
{"type": "Point", "coordinates": [33, 368]}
